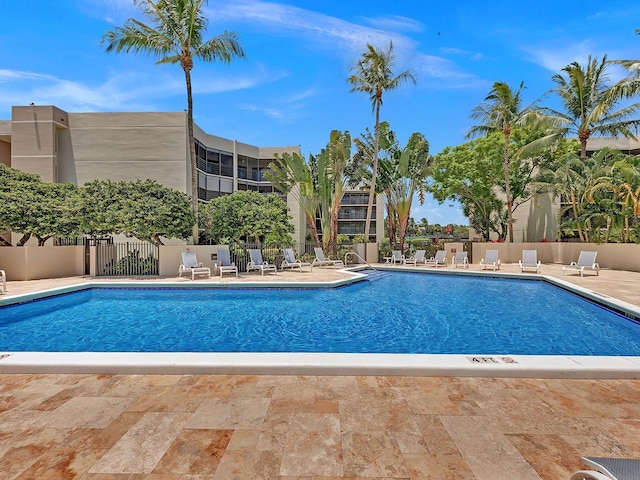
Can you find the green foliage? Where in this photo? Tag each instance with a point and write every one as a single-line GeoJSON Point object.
{"type": "Point", "coordinates": [143, 209]}
{"type": "Point", "coordinates": [32, 207]}
{"type": "Point", "coordinates": [134, 264]}
{"type": "Point", "coordinates": [469, 174]}
{"type": "Point", "coordinates": [248, 216]}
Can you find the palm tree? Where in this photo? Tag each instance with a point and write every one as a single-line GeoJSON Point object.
{"type": "Point", "coordinates": [622, 179]}
{"type": "Point", "coordinates": [589, 103]}
{"type": "Point", "coordinates": [332, 164]}
{"type": "Point", "coordinates": [387, 167]}
{"type": "Point", "coordinates": [290, 173]}
{"type": "Point", "coordinates": [413, 168]}
{"type": "Point", "coordinates": [501, 111]}
{"type": "Point", "coordinates": [373, 75]}
{"type": "Point", "coordinates": [569, 181]}
{"type": "Point", "coordinates": [175, 35]}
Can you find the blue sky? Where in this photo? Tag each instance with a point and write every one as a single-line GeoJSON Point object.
{"type": "Point", "coordinates": [292, 88]}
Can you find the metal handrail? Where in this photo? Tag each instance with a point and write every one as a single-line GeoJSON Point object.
{"type": "Point", "coordinates": [346, 255]}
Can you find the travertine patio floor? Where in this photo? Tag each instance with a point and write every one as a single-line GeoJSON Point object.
{"type": "Point", "coordinates": [201, 427]}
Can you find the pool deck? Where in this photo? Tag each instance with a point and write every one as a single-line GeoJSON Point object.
{"type": "Point", "coordinates": [323, 426]}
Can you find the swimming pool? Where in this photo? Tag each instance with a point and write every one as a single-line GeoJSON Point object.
{"type": "Point", "coordinates": [397, 313]}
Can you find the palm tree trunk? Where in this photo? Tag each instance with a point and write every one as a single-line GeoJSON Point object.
{"type": "Point", "coordinates": [574, 206]}
{"type": "Point", "coordinates": [507, 186]}
{"type": "Point", "coordinates": [391, 219]}
{"type": "Point", "coordinates": [372, 192]}
{"type": "Point", "coordinates": [311, 223]}
{"type": "Point", "coordinates": [192, 154]}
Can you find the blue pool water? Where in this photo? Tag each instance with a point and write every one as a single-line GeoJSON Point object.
{"type": "Point", "coordinates": [397, 313]}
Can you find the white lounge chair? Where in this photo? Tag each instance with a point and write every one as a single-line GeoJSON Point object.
{"type": "Point", "coordinates": [609, 469]}
{"type": "Point", "coordinates": [397, 257]}
{"type": "Point", "coordinates": [586, 261]}
{"type": "Point", "coordinates": [439, 260]}
{"type": "Point", "coordinates": [3, 282]}
{"type": "Point", "coordinates": [490, 260]}
{"type": "Point", "coordinates": [224, 263]}
{"type": "Point", "coordinates": [191, 265]}
{"type": "Point", "coordinates": [529, 261]}
{"type": "Point", "coordinates": [290, 261]}
{"type": "Point", "coordinates": [321, 259]}
{"type": "Point", "coordinates": [460, 260]}
{"type": "Point", "coordinates": [418, 257]}
{"type": "Point", "coordinates": [256, 262]}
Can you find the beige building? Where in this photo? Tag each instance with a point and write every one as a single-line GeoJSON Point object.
{"type": "Point", "coordinates": [80, 147]}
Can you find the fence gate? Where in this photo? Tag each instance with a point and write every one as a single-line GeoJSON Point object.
{"type": "Point", "coordinates": [127, 259]}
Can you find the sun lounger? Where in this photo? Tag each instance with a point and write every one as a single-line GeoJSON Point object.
{"type": "Point", "coordinates": [460, 260]}
{"type": "Point", "coordinates": [3, 282]}
{"type": "Point", "coordinates": [586, 261]}
{"type": "Point", "coordinates": [397, 257]}
{"type": "Point", "coordinates": [191, 265]}
{"type": "Point", "coordinates": [290, 261]}
{"type": "Point", "coordinates": [439, 260]}
{"type": "Point", "coordinates": [418, 257]}
{"type": "Point", "coordinates": [529, 261]}
{"type": "Point", "coordinates": [224, 263]}
{"type": "Point", "coordinates": [609, 469]}
{"type": "Point", "coordinates": [256, 263]}
{"type": "Point", "coordinates": [490, 260]}
{"type": "Point", "coordinates": [321, 259]}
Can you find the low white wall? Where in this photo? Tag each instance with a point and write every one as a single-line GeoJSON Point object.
{"type": "Point", "coordinates": [617, 256]}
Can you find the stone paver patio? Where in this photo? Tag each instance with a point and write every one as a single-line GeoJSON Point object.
{"type": "Point", "coordinates": [201, 427]}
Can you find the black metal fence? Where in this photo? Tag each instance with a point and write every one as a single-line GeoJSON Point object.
{"type": "Point", "coordinates": [127, 259]}
{"type": "Point", "coordinates": [274, 252]}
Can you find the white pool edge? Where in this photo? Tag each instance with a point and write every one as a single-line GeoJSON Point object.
{"type": "Point", "coordinates": [333, 364]}
{"type": "Point", "coordinates": [468, 365]}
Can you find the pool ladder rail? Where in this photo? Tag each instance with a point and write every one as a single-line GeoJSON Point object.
{"type": "Point", "coordinates": [346, 257]}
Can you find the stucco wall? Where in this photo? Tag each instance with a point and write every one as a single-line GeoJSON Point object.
{"type": "Point", "coordinates": [35, 263]}
{"type": "Point", "coordinates": [125, 146]}
{"type": "Point", "coordinates": [612, 255]}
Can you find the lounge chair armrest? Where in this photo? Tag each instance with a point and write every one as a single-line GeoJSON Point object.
{"type": "Point", "coordinates": [589, 475]}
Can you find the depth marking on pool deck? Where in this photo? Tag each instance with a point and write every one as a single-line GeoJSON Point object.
{"type": "Point", "coordinates": [491, 360]}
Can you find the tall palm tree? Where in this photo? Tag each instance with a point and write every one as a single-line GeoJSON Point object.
{"type": "Point", "coordinates": [373, 75]}
{"type": "Point", "coordinates": [175, 35]}
{"type": "Point", "coordinates": [590, 101]}
{"type": "Point", "coordinates": [501, 111]}
{"type": "Point", "coordinates": [362, 160]}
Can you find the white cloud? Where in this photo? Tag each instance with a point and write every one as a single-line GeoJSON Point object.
{"type": "Point", "coordinates": [554, 57]}
{"type": "Point", "coordinates": [121, 91]}
{"type": "Point", "coordinates": [395, 22]}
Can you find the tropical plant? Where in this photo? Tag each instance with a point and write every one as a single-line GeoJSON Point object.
{"type": "Point", "coordinates": [35, 208]}
{"type": "Point", "coordinates": [469, 174]}
{"type": "Point", "coordinates": [331, 165]}
{"type": "Point", "coordinates": [413, 168]}
{"type": "Point", "coordinates": [248, 216]}
{"type": "Point", "coordinates": [621, 180]}
{"type": "Point", "coordinates": [143, 209]}
{"type": "Point", "coordinates": [590, 103]}
{"type": "Point", "coordinates": [373, 75]}
{"type": "Point", "coordinates": [290, 173]}
{"type": "Point", "coordinates": [175, 34]}
{"type": "Point", "coordinates": [388, 146]}
{"type": "Point", "coordinates": [501, 111]}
